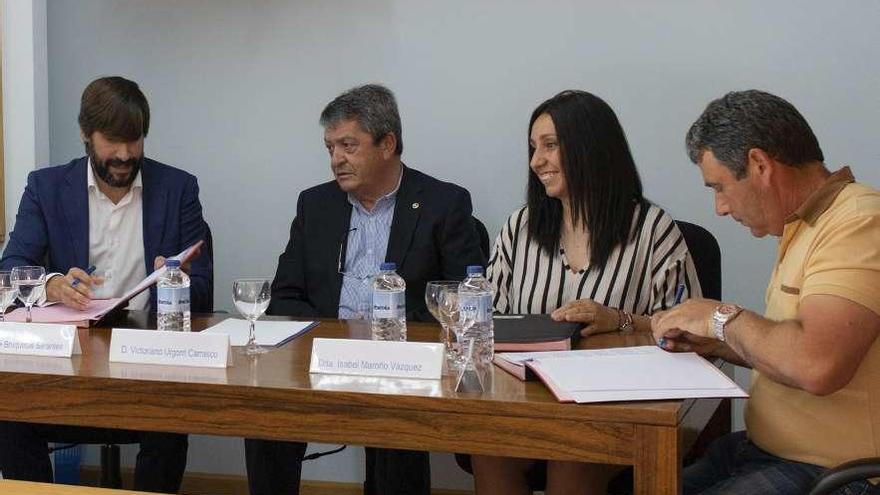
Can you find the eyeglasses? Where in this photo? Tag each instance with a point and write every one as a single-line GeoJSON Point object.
{"type": "Point", "coordinates": [340, 266]}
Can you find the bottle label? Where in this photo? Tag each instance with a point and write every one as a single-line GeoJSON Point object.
{"type": "Point", "coordinates": [389, 304]}
{"type": "Point", "coordinates": [478, 308]}
{"type": "Point", "coordinates": [172, 299]}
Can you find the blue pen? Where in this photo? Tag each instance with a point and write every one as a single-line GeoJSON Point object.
{"type": "Point", "coordinates": [678, 295]}
{"type": "Point", "coordinates": [90, 270]}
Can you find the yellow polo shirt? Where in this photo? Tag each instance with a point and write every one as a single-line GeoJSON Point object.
{"type": "Point", "coordinates": [831, 245]}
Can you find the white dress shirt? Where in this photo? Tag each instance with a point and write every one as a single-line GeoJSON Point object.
{"type": "Point", "coordinates": [116, 241]}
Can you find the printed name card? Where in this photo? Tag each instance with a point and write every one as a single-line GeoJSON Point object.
{"type": "Point", "coordinates": [210, 350]}
{"type": "Point", "coordinates": [38, 339]}
{"type": "Point", "coordinates": [377, 358]}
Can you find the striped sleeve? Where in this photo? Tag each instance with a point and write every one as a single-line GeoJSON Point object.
{"type": "Point", "coordinates": [672, 266]}
{"type": "Point", "coordinates": [500, 271]}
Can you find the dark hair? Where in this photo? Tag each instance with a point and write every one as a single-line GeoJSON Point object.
{"type": "Point", "coordinates": [741, 120]}
{"type": "Point", "coordinates": [603, 183]}
{"type": "Point", "coordinates": [373, 107]}
{"type": "Point", "coordinates": [115, 107]}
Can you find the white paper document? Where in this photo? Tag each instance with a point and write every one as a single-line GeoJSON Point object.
{"type": "Point", "coordinates": [628, 373]}
{"type": "Point", "coordinates": [268, 333]}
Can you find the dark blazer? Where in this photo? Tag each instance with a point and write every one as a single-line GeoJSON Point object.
{"type": "Point", "coordinates": [432, 238]}
{"type": "Point", "coordinates": [52, 225]}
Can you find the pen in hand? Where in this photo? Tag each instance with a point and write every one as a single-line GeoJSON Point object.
{"type": "Point", "coordinates": [679, 292]}
{"type": "Point", "coordinates": [90, 270]}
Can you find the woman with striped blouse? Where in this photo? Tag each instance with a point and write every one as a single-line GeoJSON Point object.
{"type": "Point", "coordinates": [586, 247]}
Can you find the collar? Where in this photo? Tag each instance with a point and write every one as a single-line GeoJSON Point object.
{"type": "Point", "coordinates": [391, 195]}
{"type": "Point", "coordinates": [821, 199]}
{"type": "Point", "coordinates": [92, 183]}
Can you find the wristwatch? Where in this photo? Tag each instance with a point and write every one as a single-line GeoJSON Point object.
{"type": "Point", "coordinates": [723, 314]}
{"type": "Point", "coordinates": [624, 321]}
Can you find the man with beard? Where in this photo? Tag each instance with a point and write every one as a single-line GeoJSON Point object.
{"type": "Point", "coordinates": [122, 213]}
{"type": "Point", "coordinates": [113, 209]}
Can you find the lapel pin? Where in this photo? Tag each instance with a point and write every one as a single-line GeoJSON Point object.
{"type": "Point", "coordinates": [415, 206]}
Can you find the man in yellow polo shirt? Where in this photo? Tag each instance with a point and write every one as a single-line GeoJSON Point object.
{"type": "Point", "coordinates": [815, 394]}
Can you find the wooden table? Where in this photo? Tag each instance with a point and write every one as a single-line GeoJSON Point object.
{"type": "Point", "coordinates": [275, 397]}
{"type": "Point", "coordinates": [32, 488]}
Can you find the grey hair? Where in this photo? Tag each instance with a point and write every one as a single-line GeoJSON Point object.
{"type": "Point", "coordinates": [741, 120]}
{"type": "Point", "coordinates": [373, 107]}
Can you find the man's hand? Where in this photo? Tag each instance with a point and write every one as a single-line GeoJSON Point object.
{"type": "Point", "coordinates": [693, 316]}
{"type": "Point", "coordinates": [597, 318]}
{"type": "Point", "coordinates": [681, 341]}
{"type": "Point", "coordinates": [62, 289]}
{"type": "Point", "coordinates": [159, 262]}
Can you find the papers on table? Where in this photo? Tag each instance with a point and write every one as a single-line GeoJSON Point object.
{"type": "Point", "coordinates": [58, 313]}
{"type": "Point", "coordinates": [268, 333]}
{"type": "Point", "coordinates": [98, 308]}
{"type": "Point", "coordinates": [625, 374]}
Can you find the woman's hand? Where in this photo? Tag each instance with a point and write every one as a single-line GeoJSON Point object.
{"type": "Point", "coordinates": [597, 318]}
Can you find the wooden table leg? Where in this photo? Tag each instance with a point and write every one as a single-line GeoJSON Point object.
{"type": "Point", "coordinates": [657, 460]}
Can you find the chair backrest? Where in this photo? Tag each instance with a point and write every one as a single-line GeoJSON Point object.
{"type": "Point", "coordinates": [706, 255]}
{"type": "Point", "coordinates": [484, 238]}
{"type": "Point", "coordinates": [209, 251]}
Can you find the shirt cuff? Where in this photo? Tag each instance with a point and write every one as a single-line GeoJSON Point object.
{"type": "Point", "coordinates": [41, 302]}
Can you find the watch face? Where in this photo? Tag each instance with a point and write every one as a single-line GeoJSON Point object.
{"type": "Point", "coordinates": [727, 309]}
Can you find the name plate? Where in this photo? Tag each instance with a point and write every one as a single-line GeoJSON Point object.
{"type": "Point", "coordinates": [210, 350]}
{"type": "Point", "coordinates": [39, 339]}
{"type": "Point", "coordinates": [377, 358]}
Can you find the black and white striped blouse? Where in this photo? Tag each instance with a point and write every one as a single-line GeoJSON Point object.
{"type": "Point", "coordinates": [640, 277]}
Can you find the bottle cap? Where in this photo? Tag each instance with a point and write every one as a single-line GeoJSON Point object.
{"type": "Point", "coordinates": [388, 266]}
{"type": "Point", "coordinates": [475, 270]}
{"type": "Point", "coordinates": [172, 263]}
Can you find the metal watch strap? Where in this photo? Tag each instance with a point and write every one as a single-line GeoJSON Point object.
{"type": "Point", "coordinates": [723, 314]}
{"type": "Point", "coordinates": [625, 321]}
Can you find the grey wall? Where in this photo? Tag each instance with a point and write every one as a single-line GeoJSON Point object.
{"type": "Point", "coordinates": [236, 88]}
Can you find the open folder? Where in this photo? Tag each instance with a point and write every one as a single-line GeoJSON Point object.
{"type": "Point", "coordinates": [98, 308]}
{"type": "Point", "coordinates": [622, 374]}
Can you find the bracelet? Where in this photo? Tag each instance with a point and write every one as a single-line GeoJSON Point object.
{"type": "Point", "coordinates": [625, 321]}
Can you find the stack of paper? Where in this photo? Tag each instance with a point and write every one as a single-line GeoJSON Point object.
{"type": "Point", "coordinates": [58, 313]}
{"type": "Point", "coordinates": [267, 333]}
{"type": "Point", "coordinates": [625, 374]}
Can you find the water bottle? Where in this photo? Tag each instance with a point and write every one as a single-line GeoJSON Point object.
{"type": "Point", "coordinates": [172, 312]}
{"type": "Point", "coordinates": [389, 304]}
{"type": "Point", "coordinates": [475, 304]}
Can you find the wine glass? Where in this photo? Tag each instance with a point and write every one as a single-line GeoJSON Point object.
{"type": "Point", "coordinates": [7, 293]}
{"type": "Point", "coordinates": [433, 293]}
{"type": "Point", "coordinates": [456, 320]}
{"type": "Point", "coordinates": [251, 297]}
{"type": "Point", "coordinates": [29, 282]}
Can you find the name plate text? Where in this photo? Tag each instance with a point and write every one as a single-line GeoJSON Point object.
{"type": "Point", "coordinates": [377, 358]}
{"type": "Point", "coordinates": [210, 350]}
{"type": "Point", "coordinates": [39, 339]}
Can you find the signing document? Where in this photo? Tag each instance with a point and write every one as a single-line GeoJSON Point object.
{"type": "Point", "coordinates": [626, 374]}
{"type": "Point", "coordinates": [98, 308]}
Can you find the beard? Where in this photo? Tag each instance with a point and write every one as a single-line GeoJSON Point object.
{"type": "Point", "coordinates": [101, 168]}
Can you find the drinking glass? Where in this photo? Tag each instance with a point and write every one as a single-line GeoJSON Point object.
{"type": "Point", "coordinates": [251, 297]}
{"type": "Point", "coordinates": [7, 293]}
{"type": "Point", "coordinates": [433, 295]}
{"type": "Point", "coordinates": [29, 283]}
{"type": "Point", "coordinates": [457, 321]}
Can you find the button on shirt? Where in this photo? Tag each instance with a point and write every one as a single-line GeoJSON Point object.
{"type": "Point", "coordinates": [116, 240]}
{"type": "Point", "coordinates": [365, 250]}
